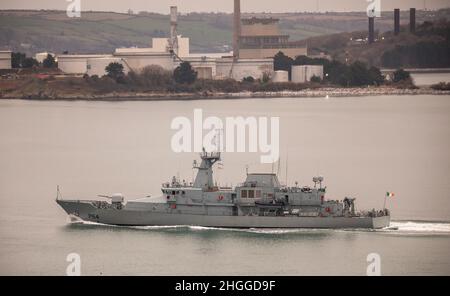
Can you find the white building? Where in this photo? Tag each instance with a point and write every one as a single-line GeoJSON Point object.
{"type": "Point", "coordinates": [256, 68]}
{"type": "Point", "coordinates": [304, 73]}
{"type": "Point", "coordinates": [5, 59]}
{"type": "Point", "coordinates": [162, 44]}
{"type": "Point", "coordinates": [97, 66]}
{"type": "Point", "coordinates": [138, 58]}
{"type": "Point", "coordinates": [76, 64]}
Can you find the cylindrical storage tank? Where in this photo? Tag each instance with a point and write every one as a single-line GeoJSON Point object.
{"type": "Point", "coordinates": [204, 72]}
{"type": "Point", "coordinates": [72, 66]}
{"type": "Point", "coordinates": [314, 70]}
{"type": "Point", "coordinates": [75, 64]}
{"type": "Point", "coordinates": [97, 66]}
{"type": "Point", "coordinates": [304, 73]}
{"type": "Point", "coordinates": [298, 74]}
{"type": "Point", "coordinates": [5, 59]}
{"type": "Point", "coordinates": [280, 76]}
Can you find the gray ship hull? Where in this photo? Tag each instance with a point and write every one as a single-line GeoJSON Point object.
{"type": "Point", "coordinates": [88, 212]}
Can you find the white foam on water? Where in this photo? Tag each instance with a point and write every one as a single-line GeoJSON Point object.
{"type": "Point", "coordinates": [394, 227]}
{"type": "Point", "coordinates": [420, 227]}
{"type": "Point", "coordinates": [153, 227]}
{"type": "Point", "coordinates": [282, 230]}
{"type": "Point", "coordinates": [156, 227]}
{"type": "Point", "coordinates": [254, 230]}
{"type": "Point", "coordinates": [199, 228]}
{"type": "Point", "coordinates": [248, 230]}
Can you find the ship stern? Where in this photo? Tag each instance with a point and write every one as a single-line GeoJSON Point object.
{"type": "Point", "coordinates": [381, 222]}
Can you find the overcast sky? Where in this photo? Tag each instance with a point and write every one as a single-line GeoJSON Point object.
{"type": "Point", "coordinates": [162, 6]}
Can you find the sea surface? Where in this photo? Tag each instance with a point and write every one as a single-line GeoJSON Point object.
{"type": "Point", "coordinates": [363, 147]}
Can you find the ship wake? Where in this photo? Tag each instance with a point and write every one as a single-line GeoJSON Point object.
{"type": "Point", "coordinates": [401, 227]}
{"type": "Point", "coordinates": [419, 227]}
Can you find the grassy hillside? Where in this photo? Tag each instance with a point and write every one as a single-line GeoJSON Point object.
{"type": "Point", "coordinates": [102, 32]}
{"type": "Point", "coordinates": [429, 47]}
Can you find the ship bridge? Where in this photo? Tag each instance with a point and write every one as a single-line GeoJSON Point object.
{"type": "Point", "coordinates": [262, 180]}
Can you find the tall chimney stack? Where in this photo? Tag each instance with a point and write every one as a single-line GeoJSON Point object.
{"type": "Point", "coordinates": [371, 30]}
{"type": "Point", "coordinates": [396, 21]}
{"type": "Point", "coordinates": [173, 44]}
{"type": "Point", "coordinates": [236, 28]}
{"type": "Point", "coordinates": [412, 20]}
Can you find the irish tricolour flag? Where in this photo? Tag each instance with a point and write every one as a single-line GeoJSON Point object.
{"type": "Point", "coordinates": [390, 194]}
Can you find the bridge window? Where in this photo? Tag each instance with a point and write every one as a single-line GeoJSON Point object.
{"type": "Point", "coordinates": [244, 194]}
{"type": "Point", "coordinates": [257, 193]}
{"type": "Point", "coordinates": [251, 194]}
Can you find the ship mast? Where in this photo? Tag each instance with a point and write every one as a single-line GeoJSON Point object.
{"type": "Point", "coordinates": [204, 178]}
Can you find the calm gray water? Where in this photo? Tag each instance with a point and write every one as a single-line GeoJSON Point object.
{"type": "Point", "coordinates": [363, 146]}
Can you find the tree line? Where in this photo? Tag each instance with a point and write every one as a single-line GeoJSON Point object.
{"type": "Point", "coordinates": [335, 72]}
{"type": "Point", "coordinates": [431, 51]}
{"type": "Point", "coordinates": [20, 60]}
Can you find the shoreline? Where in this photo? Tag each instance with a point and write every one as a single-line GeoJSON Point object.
{"type": "Point", "coordinates": [164, 96]}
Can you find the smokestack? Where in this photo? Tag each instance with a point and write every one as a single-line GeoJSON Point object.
{"type": "Point", "coordinates": [396, 21]}
{"type": "Point", "coordinates": [371, 30]}
{"type": "Point", "coordinates": [412, 20]}
{"type": "Point", "coordinates": [236, 28]}
{"type": "Point", "coordinates": [173, 43]}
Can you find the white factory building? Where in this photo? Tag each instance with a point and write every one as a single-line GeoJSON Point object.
{"type": "Point", "coordinates": [132, 59]}
{"type": "Point", "coordinates": [5, 59]}
{"type": "Point", "coordinates": [230, 68]}
{"type": "Point", "coordinates": [167, 53]}
{"type": "Point", "coordinates": [208, 66]}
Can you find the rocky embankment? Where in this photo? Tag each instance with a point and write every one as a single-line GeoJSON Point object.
{"type": "Point", "coordinates": [307, 93]}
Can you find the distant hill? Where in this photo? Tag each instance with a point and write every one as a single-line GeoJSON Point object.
{"type": "Point", "coordinates": [102, 32]}
{"type": "Point", "coordinates": [428, 47]}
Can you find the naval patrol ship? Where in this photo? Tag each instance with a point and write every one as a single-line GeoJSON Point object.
{"type": "Point", "coordinates": [259, 202]}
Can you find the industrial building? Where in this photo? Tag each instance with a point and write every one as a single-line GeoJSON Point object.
{"type": "Point", "coordinates": [170, 52]}
{"type": "Point", "coordinates": [261, 38]}
{"type": "Point", "coordinates": [164, 52]}
{"type": "Point", "coordinates": [238, 70]}
{"type": "Point", "coordinates": [5, 59]}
